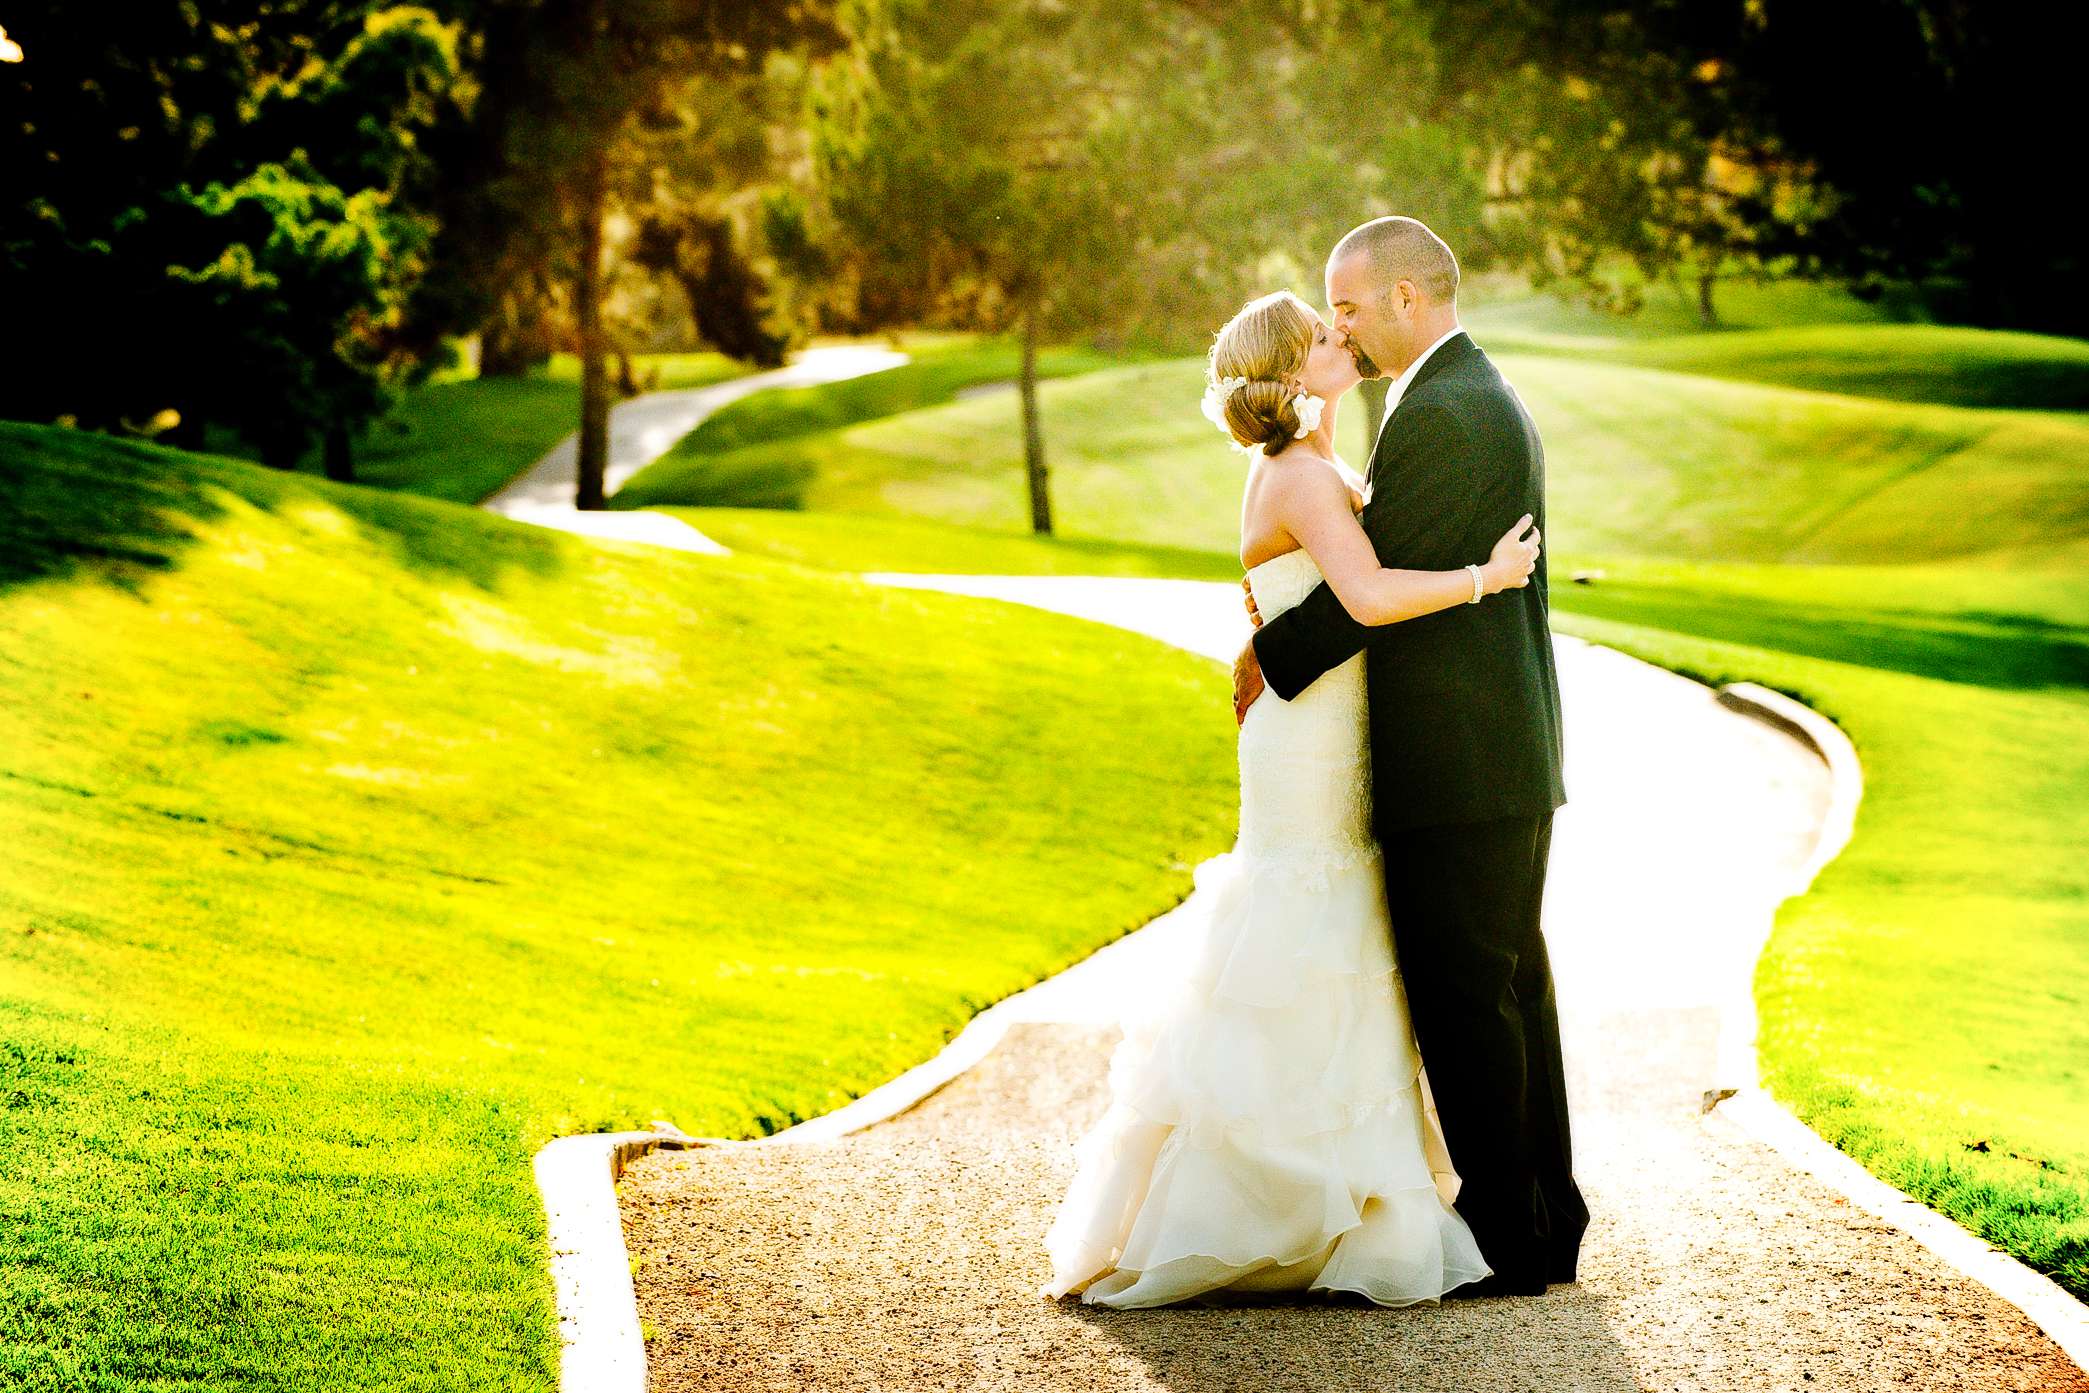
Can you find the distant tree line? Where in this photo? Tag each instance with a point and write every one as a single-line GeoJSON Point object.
{"type": "Point", "coordinates": [269, 216]}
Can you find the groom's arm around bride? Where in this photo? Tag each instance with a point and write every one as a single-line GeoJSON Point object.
{"type": "Point", "coordinates": [1464, 703]}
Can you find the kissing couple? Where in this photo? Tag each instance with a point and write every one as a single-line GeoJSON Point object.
{"type": "Point", "coordinates": [1271, 1125]}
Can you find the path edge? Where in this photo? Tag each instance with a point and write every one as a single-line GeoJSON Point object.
{"type": "Point", "coordinates": [602, 1347]}
{"type": "Point", "coordinates": [1744, 1102]}
{"type": "Point", "coordinates": [603, 1344]}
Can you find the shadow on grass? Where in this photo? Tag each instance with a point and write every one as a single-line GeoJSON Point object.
{"type": "Point", "coordinates": [76, 503]}
{"type": "Point", "coordinates": [2013, 651]}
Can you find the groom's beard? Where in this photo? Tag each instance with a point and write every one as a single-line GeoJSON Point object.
{"type": "Point", "coordinates": [1365, 367]}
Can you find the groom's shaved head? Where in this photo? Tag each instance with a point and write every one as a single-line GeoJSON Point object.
{"type": "Point", "coordinates": [1396, 249]}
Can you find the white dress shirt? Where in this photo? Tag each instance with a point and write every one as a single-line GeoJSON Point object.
{"type": "Point", "coordinates": [1399, 387]}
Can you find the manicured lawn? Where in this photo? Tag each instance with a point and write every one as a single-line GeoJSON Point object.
{"type": "Point", "coordinates": [359, 843]}
{"type": "Point", "coordinates": [1923, 1008]}
{"type": "Point", "coordinates": [854, 542]}
{"type": "Point", "coordinates": [461, 441]}
{"type": "Point", "coordinates": [1895, 362]}
{"type": "Point", "coordinates": [731, 459]}
{"type": "Point", "coordinates": [658, 372]}
{"type": "Point", "coordinates": [463, 438]}
{"type": "Point", "coordinates": [1640, 461]}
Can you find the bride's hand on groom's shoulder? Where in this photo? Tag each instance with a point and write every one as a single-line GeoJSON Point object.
{"type": "Point", "coordinates": [1515, 557]}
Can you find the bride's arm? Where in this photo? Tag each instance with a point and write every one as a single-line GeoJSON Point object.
{"type": "Point", "coordinates": [1359, 487]}
{"type": "Point", "coordinates": [1313, 504]}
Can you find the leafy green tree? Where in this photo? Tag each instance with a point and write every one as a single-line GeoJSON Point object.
{"type": "Point", "coordinates": [1123, 172]}
{"type": "Point", "coordinates": [215, 216]}
{"type": "Point", "coordinates": [959, 163]}
{"type": "Point", "coordinates": [556, 135]}
{"type": "Point", "coordinates": [1873, 140]}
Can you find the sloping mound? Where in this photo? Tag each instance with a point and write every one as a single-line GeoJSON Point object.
{"type": "Point", "coordinates": [1640, 462]}
{"type": "Point", "coordinates": [358, 843]}
{"type": "Point", "coordinates": [1895, 362]}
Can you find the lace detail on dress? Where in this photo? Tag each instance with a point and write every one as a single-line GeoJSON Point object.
{"type": "Point", "coordinates": [1312, 866]}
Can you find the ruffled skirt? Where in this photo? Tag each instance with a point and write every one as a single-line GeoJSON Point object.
{"type": "Point", "coordinates": [1269, 1127]}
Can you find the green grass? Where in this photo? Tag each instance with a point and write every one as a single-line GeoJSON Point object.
{"type": "Point", "coordinates": [359, 843]}
{"type": "Point", "coordinates": [1923, 1008]}
{"type": "Point", "coordinates": [658, 372]}
{"type": "Point", "coordinates": [711, 465]}
{"type": "Point", "coordinates": [462, 441]}
{"type": "Point", "coordinates": [1670, 310]}
{"type": "Point", "coordinates": [1640, 461]}
{"type": "Point", "coordinates": [847, 542]}
{"type": "Point", "coordinates": [1894, 362]}
{"type": "Point", "coordinates": [463, 438]}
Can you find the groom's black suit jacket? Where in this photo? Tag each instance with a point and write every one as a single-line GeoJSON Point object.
{"type": "Point", "coordinates": [1464, 703]}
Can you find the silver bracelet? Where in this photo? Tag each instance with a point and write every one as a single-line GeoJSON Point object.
{"type": "Point", "coordinates": [1476, 590]}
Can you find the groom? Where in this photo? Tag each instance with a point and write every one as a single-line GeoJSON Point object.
{"type": "Point", "coordinates": [1465, 746]}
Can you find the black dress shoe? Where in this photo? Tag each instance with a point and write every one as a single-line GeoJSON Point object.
{"type": "Point", "coordinates": [1497, 1284]}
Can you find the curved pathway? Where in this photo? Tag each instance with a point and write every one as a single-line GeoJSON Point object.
{"type": "Point", "coordinates": [646, 427]}
{"type": "Point", "coordinates": [908, 1254]}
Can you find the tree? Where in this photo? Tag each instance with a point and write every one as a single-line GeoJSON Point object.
{"type": "Point", "coordinates": [557, 133]}
{"type": "Point", "coordinates": [1125, 172]}
{"type": "Point", "coordinates": [1875, 140]}
{"type": "Point", "coordinates": [216, 216]}
{"type": "Point", "coordinates": [954, 160]}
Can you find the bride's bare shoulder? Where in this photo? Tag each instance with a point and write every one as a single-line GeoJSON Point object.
{"type": "Point", "coordinates": [1304, 477]}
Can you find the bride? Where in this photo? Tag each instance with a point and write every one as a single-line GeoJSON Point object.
{"type": "Point", "coordinates": [1270, 1127]}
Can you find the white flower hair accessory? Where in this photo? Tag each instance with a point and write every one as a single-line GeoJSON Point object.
{"type": "Point", "coordinates": [1215, 394]}
{"type": "Point", "coordinates": [1308, 408]}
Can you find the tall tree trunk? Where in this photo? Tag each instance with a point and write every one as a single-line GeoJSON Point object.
{"type": "Point", "coordinates": [340, 453]}
{"type": "Point", "coordinates": [1033, 431]}
{"type": "Point", "coordinates": [1707, 312]}
{"type": "Point", "coordinates": [587, 303]}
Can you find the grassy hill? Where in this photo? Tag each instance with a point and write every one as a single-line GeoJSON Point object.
{"type": "Point", "coordinates": [1893, 362]}
{"type": "Point", "coordinates": [1640, 461]}
{"type": "Point", "coordinates": [359, 843]}
{"type": "Point", "coordinates": [859, 542]}
{"type": "Point", "coordinates": [942, 368]}
{"type": "Point", "coordinates": [462, 437]}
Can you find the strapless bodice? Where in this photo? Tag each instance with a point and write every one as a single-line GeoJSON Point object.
{"type": "Point", "coordinates": [1282, 581]}
{"type": "Point", "coordinates": [1305, 780]}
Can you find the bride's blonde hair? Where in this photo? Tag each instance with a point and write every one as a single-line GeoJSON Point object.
{"type": "Point", "coordinates": [1267, 343]}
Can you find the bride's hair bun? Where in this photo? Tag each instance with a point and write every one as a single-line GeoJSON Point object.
{"type": "Point", "coordinates": [1267, 343]}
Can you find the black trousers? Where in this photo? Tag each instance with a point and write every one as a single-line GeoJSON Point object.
{"type": "Point", "coordinates": [1465, 901]}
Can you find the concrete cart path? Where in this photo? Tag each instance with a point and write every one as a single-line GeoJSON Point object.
{"type": "Point", "coordinates": [908, 1255]}
{"type": "Point", "coordinates": [645, 428]}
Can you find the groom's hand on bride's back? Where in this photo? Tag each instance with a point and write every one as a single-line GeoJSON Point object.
{"type": "Point", "coordinates": [1247, 681]}
{"type": "Point", "coordinates": [1247, 673]}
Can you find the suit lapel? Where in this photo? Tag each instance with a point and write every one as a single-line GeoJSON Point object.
{"type": "Point", "coordinates": [1454, 349]}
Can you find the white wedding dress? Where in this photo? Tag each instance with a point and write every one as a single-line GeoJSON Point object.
{"type": "Point", "coordinates": [1270, 1126]}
